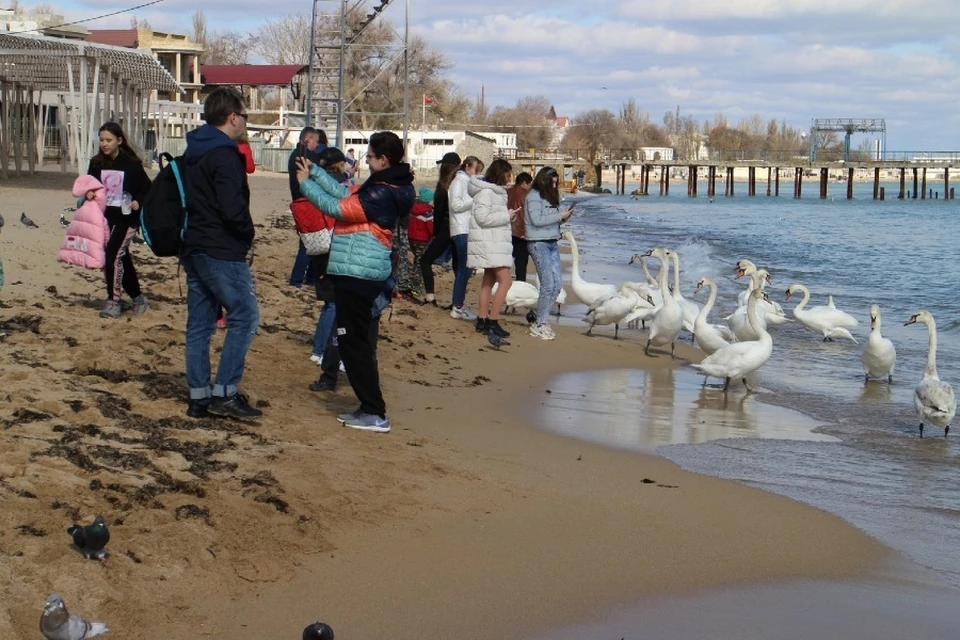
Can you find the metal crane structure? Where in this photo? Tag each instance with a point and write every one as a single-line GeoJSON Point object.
{"type": "Point", "coordinates": [337, 50]}
{"type": "Point", "coordinates": [848, 126]}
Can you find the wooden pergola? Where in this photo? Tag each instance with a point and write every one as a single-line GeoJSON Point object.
{"type": "Point", "coordinates": [87, 84]}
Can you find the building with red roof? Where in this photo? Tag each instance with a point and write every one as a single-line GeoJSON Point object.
{"type": "Point", "coordinates": [175, 52]}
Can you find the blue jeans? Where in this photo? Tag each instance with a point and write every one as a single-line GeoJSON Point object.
{"type": "Point", "coordinates": [461, 273]}
{"type": "Point", "coordinates": [213, 283]}
{"type": "Point", "coordinates": [325, 324]}
{"type": "Point", "coordinates": [546, 258]}
{"type": "Point", "coordinates": [304, 271]}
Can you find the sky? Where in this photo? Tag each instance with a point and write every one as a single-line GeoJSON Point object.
{"type": "Point", "coordinates": [790, 60]}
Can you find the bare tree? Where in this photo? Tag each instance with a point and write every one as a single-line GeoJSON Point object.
{"type": "Point", "coordinates": [227, 47]}
{"type": "Point", "coordinates": [592, 132]}
{"type": "Point", "coordinates": [142, 23]}
{"type": "Point", "coordinates": [285, 40]}
{"type": "Point", "coordinates": [199, 27]}
{"type": "Point", "coordinates": [634, 125]}
{"type": "Point", "coordinates": [528, 120]}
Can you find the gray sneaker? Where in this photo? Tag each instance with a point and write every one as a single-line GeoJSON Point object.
{"type": "Point", "coordinates": [353, 415]}
{"type": "Point", "coordinates": [139, 305]}
{"type": "Point", "coordinates": [369, 422]}
{"type": "Point", "coordinates": [111, 309]}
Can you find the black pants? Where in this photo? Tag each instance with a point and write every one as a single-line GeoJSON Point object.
{"type": "Point", "coordinates": [119, 269]}
{"type": "Point", "coordinates": [357, 331]}
{"type": "Point", "coordinates": [434, 250]}
{"type": "Point", "coordinates": [521, 255]}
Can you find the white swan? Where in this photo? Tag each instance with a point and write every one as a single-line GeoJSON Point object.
{"type": "Point", "coordinates": [933, 398]}
{"type": "Point", "coordinates": [587, 292]}
{"type": "Point", "coordinates": [612, 310]}
{"type": "Point", "coordinates": [520, 295]}
{"type": "Point", "coordinates": [880, 356]}
{"type": "Point", "coordinates": [710, 337]}
{"type": "Point", "coordinates": [668, 319]}
{"type": "Point", "coordinates": [739, 359]}
{"type": "Point", "coordinates": [737, 321]}
{"type": "Point", "coordinates": [830, 323]}
{"type": "Point", "coordinates": [772, 313]}
{"type": "Point", "coordinates": [690, 309]}
{"type": "Point", "coordinates": [642, 259]}
{"type": "Point", "coordinates": [648, 303]}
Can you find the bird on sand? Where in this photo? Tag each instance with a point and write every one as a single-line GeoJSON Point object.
{"type": "Point", "coordinates": [63, 221]}
{"type": "Point", "coordinates": [91, 539]}
{"type": "Point", "coordinates": [496, 341]}
{"type": "Point", "coordinates": [27, 222]}
{"type": "Point", "coordinates": [1, 221]}
{"type": "Point", "coordinates": [318, 631]}
{"type": "Point", "coordinates": [56, 623]}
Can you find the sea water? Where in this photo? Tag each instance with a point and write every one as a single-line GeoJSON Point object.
{"type": "Point", "coordinates": [813, 430]}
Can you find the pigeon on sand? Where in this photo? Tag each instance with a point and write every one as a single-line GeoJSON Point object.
{"type": "Point", "coordinates": [27, 222]}
{"type": "Point", "coordinates": [91, 539]}
{"type": "Point", "coordinates": [318, 631]}
{"type": "Point", "coordinates": [496, 341]}
{"type": "Point", "coordinates": [56, 623]}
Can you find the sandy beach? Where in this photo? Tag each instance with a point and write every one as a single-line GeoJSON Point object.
{"type": "Point", "coordinates": [466, 521]}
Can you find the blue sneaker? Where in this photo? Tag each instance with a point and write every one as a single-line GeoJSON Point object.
{"type": "Point", "coordinates": [368, 422]}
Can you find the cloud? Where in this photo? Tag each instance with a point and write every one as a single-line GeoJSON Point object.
{"type": "Point", "coordinates": [786, 60]}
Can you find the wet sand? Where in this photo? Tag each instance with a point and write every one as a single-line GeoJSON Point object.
{"type": "Point", "coordinates": [464, 522]}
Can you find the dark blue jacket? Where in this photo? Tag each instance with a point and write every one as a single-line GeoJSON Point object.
{"type": "Point", "coordinates": [218, 197]}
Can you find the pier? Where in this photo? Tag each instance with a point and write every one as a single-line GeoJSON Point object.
{"type": "Point", "coordinates": [911, 177]}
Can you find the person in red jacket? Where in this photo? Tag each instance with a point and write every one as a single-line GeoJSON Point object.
{"type": "Point", "coordinates": [420, 233]}
{"type": "Point", "coordinates": [244, 145]}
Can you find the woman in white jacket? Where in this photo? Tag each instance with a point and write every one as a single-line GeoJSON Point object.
{"type": "Point", "coordinates": [461, 207]}
{"type": "Point", "coordinates": [490, 242]}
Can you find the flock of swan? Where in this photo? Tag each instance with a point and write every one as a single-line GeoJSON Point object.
{"type": "Point", "coordinates": [741, 346]}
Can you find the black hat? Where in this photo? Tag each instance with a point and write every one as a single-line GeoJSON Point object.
{"type": "Point", "coordinates": [331, 156]}
{"type": "Point", "coordinates": [449, 158]}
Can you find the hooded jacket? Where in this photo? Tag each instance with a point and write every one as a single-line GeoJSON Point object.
{"type": "Point", "coordinates": [460, 204]}
{"type": "Point", "coordinates": [218, 197]}
{"type": "Point", "coordinates": [366, 217]}
{"type": "Point", "coordinates": [86, 238]}
{"type": "Point", "coordinates": [489, 241]}
{"type": "Point", "coordinates": [541, 220]}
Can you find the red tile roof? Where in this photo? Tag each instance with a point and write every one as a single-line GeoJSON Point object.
{"type": "Point", "coordinates": [116, 37]}
{"type": "Point", "coordinates": [250, 74]}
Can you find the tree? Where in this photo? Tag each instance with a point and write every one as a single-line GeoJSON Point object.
{"type": "Point", "coordinates": [199, 27]}
{"type": "Point", "coordinates": [592, 131]}
{"type": "Point", "coordinates": [527, 120]}
{"type": "Point", "coordinates": [227, 47]}
{"type": "Point", "coordinates": [285, 40]}
{"type": "Point", "coordinates": [142, 23]}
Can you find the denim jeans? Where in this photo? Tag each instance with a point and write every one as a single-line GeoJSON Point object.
{"type": "Point", "coordinates": [304, 270]}
{"type": "Point", "coordinates": [325, 324]}
{"type": "Point", "coordinates": [213, 283]}
{"type": "Point", "coordinates": [461, 273]}
{"type": "Point", "coordinates": [546, 258]}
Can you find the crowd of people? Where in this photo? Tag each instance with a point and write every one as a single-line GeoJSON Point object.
{"type": "Point", "coordinates": [382, 239]}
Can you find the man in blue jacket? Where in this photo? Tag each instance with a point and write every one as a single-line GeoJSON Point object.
{"type": "Point", "coordinates": [219, 235]}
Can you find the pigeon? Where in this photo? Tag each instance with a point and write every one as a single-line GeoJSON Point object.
{"type": "Point", "coordinates": [496, 341]}
{"type": "Point", "coordinates": [91, 539]}
{"type": "Point", "coordinates": [1, 222]}
{"type": "Point", "coordinates": [318, 631]}
{"type": "Point", "coordinates": [63, 221]}
{"type": "Point", "coordinates": [531, 317]}
{"type": "Point", "coordinates": [27, 222]}
{"type": "Point", "coordinates": [56, 623]}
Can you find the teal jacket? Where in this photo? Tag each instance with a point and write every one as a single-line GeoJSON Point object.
{"type": "Point", "coordinates": [366, 219]}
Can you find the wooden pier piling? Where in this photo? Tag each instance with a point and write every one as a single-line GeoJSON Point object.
{"type": "Point", "coordinates": [850, 183]}
{"type": "Point", "coordinates": [711, 181]}
{"type": "Point", "coordinates": [923, 184]}
{"type": "Point", "coordinates": [914, 183]}
{"type": "Point", "coordinates": [876, 183]}
{"type": "Point", "coordinates": [824, 178]}
{"type": "Point", "coordinates": [903, 183]}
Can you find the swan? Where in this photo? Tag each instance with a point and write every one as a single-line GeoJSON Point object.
{"type": "Point", "coordinates": [773, 314]}
{"type": "Point", "coordinates": [520, 295]}
{"type": "Point", "coordinates": [830, 323]}
{"type": "Point", "coordinates": [737, 321]}
{"type": "Point", "coordinates": [588, 292]}
{"type": "Point", "coordinates": [880, 356]}
{"type": "Point", "coordinates": [612, 310]}
{"type": "Point", "coordinates": [690, 309]}
{"type": "Point", "coordinates": [668, 319]}
{"type": "Point", "coordinates": [647, 305]}
{"type": "Point", "coordinates": [642, 259]}
{"type": "Point", "coordinates": [933, 398]}
{"type": "Point", "coordinates": [710, 337]}
{"type": "Point", "coordinates": [739, 359]}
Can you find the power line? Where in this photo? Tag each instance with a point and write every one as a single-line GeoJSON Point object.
{"type": "Point", "coordinates": [69, 24]}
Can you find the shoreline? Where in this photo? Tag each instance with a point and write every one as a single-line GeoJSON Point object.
{"type": "Point", "coordinates": [467, 520]}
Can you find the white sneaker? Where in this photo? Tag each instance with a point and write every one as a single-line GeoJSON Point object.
{"type": "Point", "coordinates": [317, 360]}
{"type": "Point", "coordinates": [368, 422]}
{"type": "Point", "coordinates": [542, 331]}
{"type": "Point", "coordinates": [462, 313]}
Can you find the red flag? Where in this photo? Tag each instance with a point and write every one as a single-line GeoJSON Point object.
{"type": "Point", "coordinates": [427, 100]}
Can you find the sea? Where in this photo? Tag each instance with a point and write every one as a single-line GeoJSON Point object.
{"type": "Point", "coordinates": [813, 430]}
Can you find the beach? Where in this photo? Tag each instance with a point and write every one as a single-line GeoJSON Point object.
{"type": "Point", "coordinates": [466, 521]}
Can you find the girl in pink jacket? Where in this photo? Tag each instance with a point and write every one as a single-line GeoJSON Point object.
{"type": "Point", "coordinates": [86, 239]}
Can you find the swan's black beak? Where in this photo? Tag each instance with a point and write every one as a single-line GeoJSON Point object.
{"type": "Point", "coordinates": [912, 320]}
{"type": "Point", "coordinates": [768, 279]}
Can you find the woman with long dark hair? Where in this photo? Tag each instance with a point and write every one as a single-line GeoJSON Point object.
{"type": "Point", "coordinates": [441, 225]}
{"type": "Point", "coordinates": [542, 219]}
{"type": "Point", "coordinates": [121, 172]}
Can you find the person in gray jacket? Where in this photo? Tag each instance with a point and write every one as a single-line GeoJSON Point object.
{"type": "Point", "coordinates": [542, 218]}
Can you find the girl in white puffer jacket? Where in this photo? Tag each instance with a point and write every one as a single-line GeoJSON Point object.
{"type": "Point", "coordinates": [490, 243]}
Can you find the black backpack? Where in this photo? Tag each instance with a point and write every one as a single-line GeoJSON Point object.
{"type": "Point", "coordinates": [163, 213]}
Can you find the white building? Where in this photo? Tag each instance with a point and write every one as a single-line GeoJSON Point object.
{"type": "Point", "coordinates": [425, 148]}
